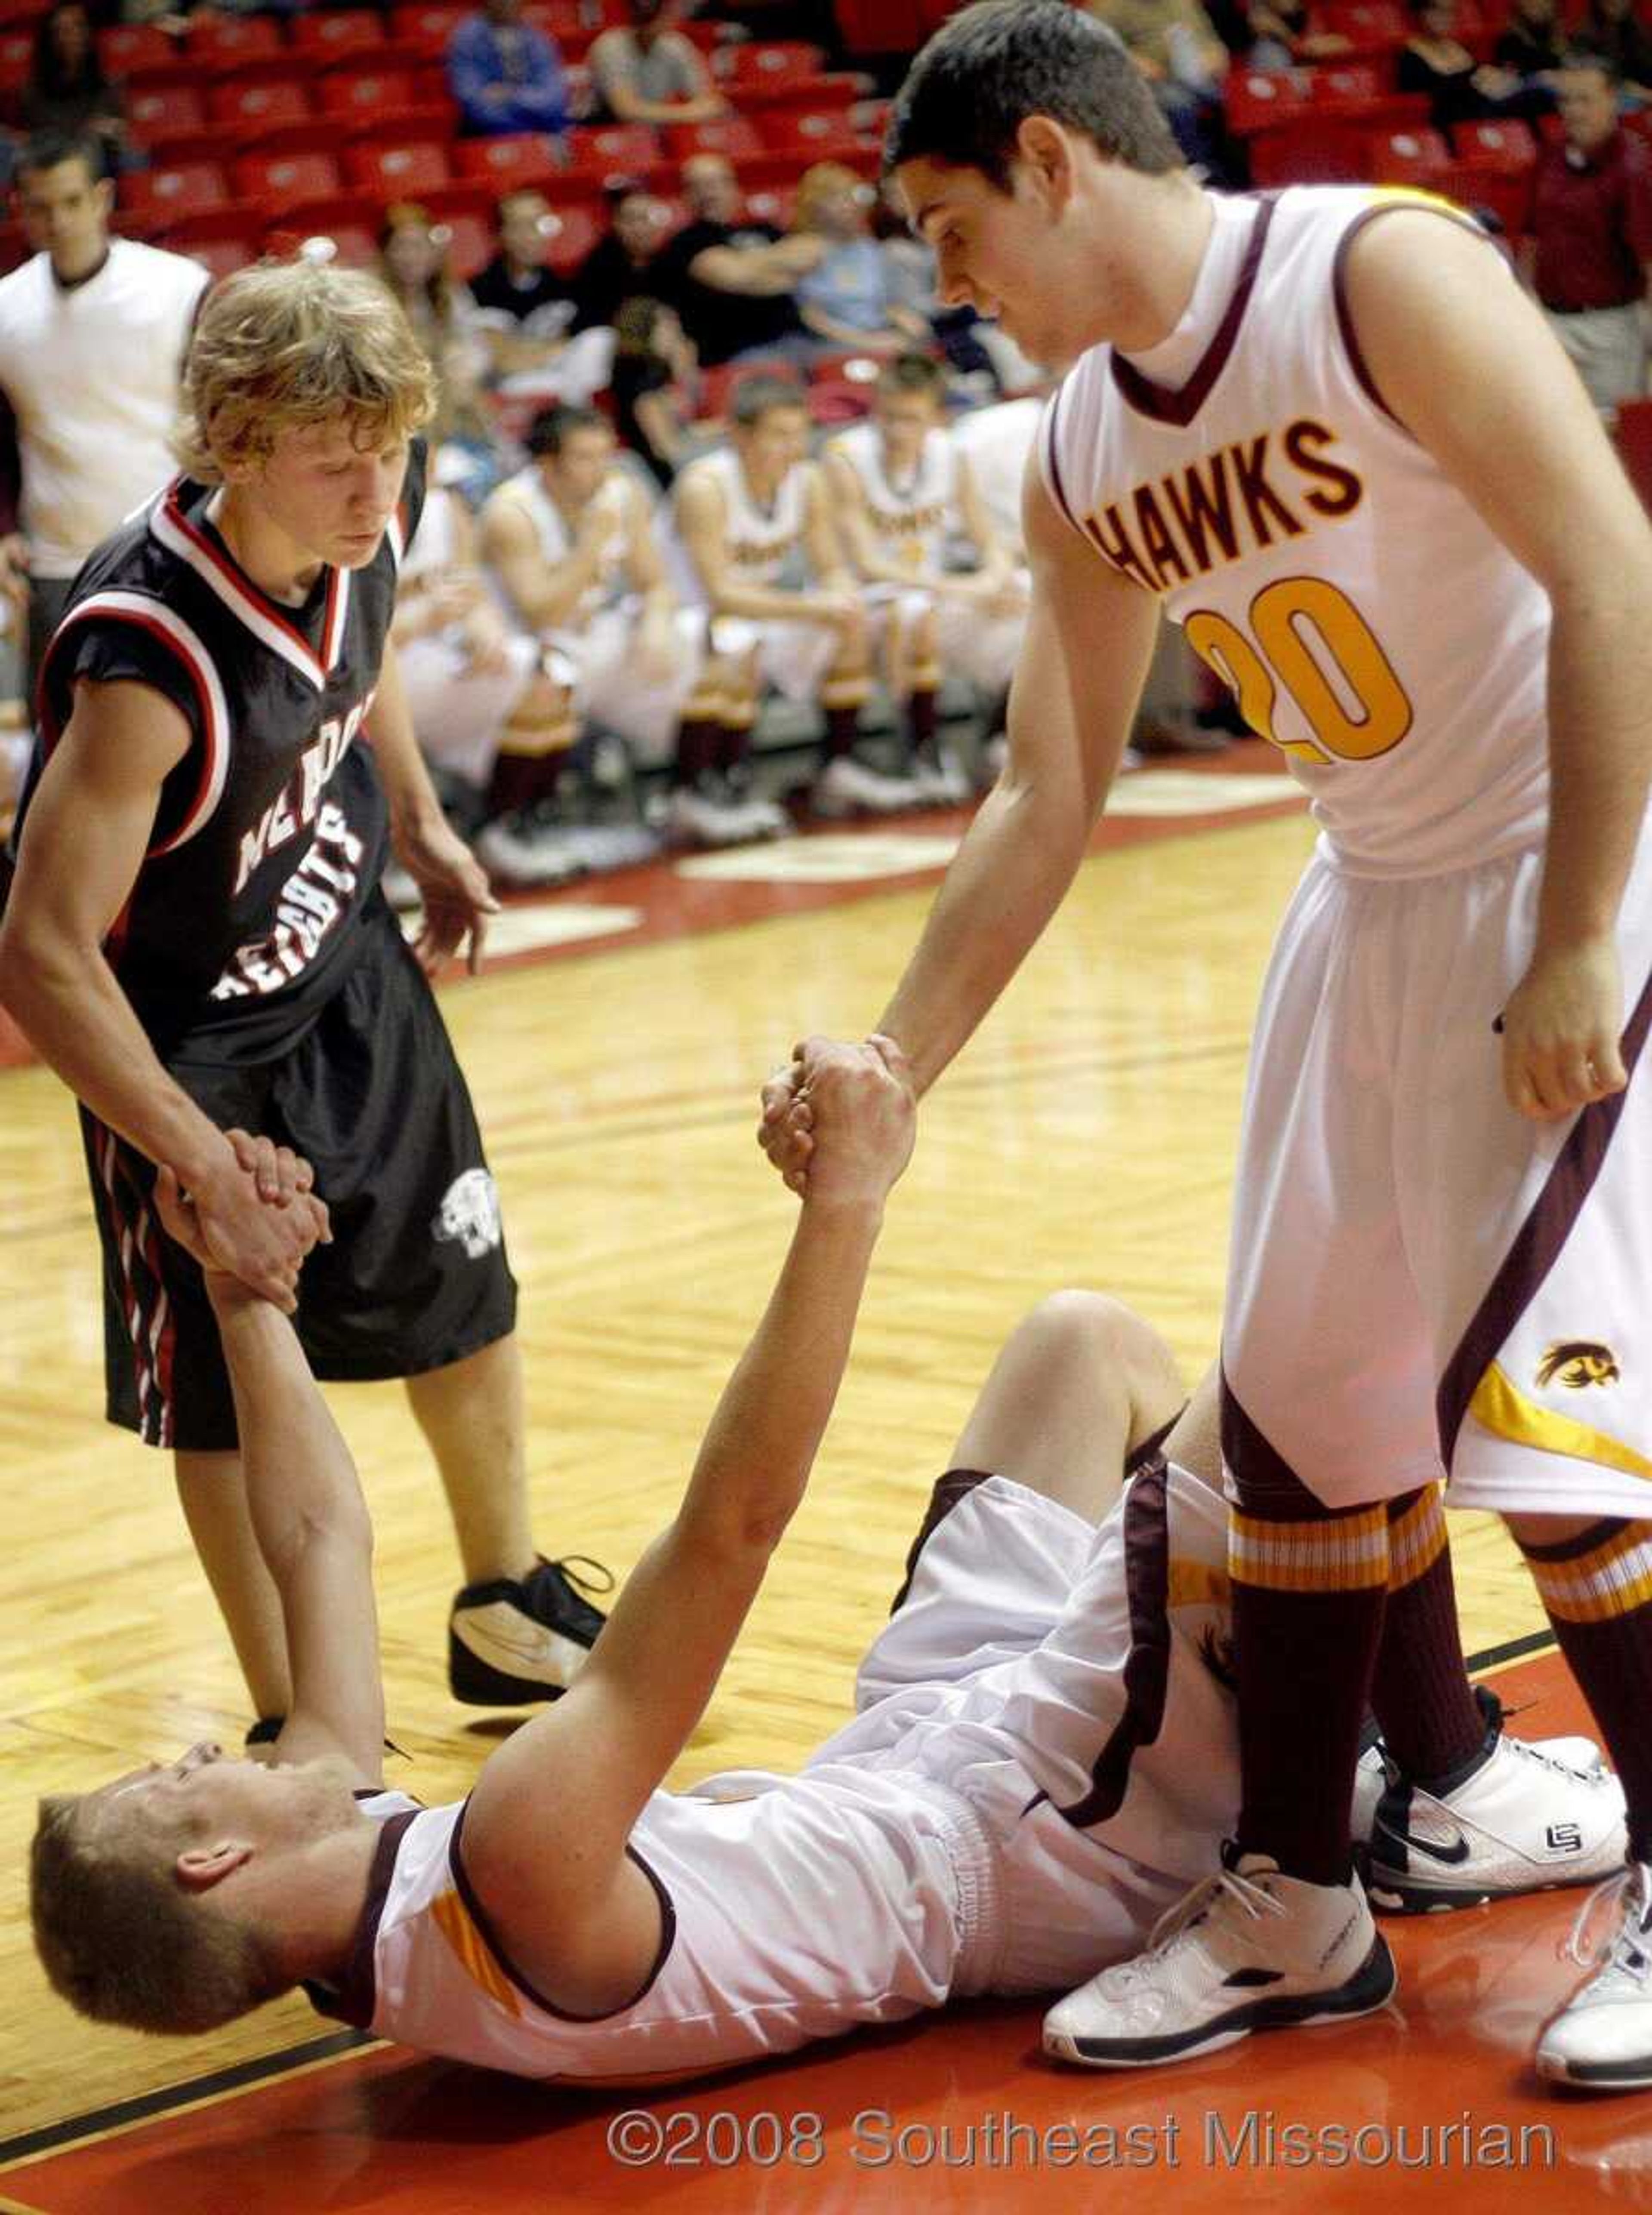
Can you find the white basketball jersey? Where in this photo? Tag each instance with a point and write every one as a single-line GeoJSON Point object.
{"type": "Point", "coordinates": [1315, 557]}
{"type": "Point", "coordinates": [613, 500]}
{"type": "Point", "coordinates": [916, 518]}
{"type": "Point", "coordinates": [764, 543]}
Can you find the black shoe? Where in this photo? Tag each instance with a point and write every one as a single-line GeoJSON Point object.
{"type": "Point", "coordinates": [511, 1641]}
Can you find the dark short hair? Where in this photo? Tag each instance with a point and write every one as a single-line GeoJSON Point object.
{"type": "Point", "coordinates": [552, 427]}
{"type": "Point", "coordinates": [46, 149]}
{"type": "Point", "coordinates": [755, 397]}
{"type": "Point", "coordinates": [990, 67]}
{"type": "Point", "coordinates": [913, 373]}
{"type": "Point", "coordinates": [1580, 57]}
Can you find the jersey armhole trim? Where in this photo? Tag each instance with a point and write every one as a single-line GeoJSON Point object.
{"type": "Point", "coordinates": [489, 1936]}
{"type": "Point", "coordinates": [169, 629]}
{"type": "Point", "coordinates": [1351, 347]}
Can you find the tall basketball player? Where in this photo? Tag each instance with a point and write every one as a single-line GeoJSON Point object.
{"type": "Point", "coordinates": [1324, 432]}
{"type": "Point", "coordinates": [196, 941]}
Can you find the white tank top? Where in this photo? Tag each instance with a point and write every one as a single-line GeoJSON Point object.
{"type": "Point", "coordinates": [763, 544]}
{"type": "Point", "coordinates": [862, 1890]}
{"type": "Point", "coordinates": [612, 499]}
{"type": "Point", "coordinates": [916, 518]}
{"type": "Point", "coordinates": [1315, 556]}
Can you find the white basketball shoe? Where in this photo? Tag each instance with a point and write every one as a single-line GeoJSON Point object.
{"type": "Point", "coordinates": [1247, 1949]}
{"type": "Point", "coordinates": [1602, 2038]}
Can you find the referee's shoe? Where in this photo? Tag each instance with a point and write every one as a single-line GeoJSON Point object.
{"type": "Point", "coordinates": [512, 1641]}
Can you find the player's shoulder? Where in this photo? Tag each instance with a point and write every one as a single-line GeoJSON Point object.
{"type": "Point", "coordinates": [153, 267]}
{"type": "Point", "coordinates": [24, 288]}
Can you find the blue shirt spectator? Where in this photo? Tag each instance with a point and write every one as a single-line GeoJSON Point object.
{"type": "Point", "coordinates": [505, 76]}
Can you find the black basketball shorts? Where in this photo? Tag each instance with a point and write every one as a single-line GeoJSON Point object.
{"type": "Point", "coordinates": [416, 1276]}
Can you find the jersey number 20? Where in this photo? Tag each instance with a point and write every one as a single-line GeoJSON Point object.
{"type": "Point", "coordinates": [1309, 639]}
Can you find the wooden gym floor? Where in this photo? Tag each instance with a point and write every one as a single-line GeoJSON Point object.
{"type": "Point", "coordinates": [615, 1049]}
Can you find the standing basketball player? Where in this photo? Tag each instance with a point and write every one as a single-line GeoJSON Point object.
{"type": "Point", "coordinates": [196, 940]}
{"type": "Point", "coordinates": [911, 516]}
{"type": "Point", "coordinates": [1328, 435]}
{"type": "Point", "coordinates": [972, 1828]}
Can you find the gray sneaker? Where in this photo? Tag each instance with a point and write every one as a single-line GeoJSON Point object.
{"type": "Point", "coordinates": [517, 851]}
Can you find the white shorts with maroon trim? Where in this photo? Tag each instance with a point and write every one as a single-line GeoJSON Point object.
{"type": "Point", "coordinates": [1421, 1280]}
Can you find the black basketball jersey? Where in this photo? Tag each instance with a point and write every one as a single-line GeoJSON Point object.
{"type": "Point", "coordinates": [271, 833]}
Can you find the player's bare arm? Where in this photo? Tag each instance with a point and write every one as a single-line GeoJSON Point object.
{"type": "Point", "coordinates": [854, 528]}
{"type": "Point", "coordinates": [546, 1830]}
{"type": "Point", "coordinates": [545, 594]}
{"type": "Point", "coordinates": [833, 598]}
{"type": "Point", "coordinates": [308, 1516]}
{"type": "Point", "coordinates": [97, 800]}
{"type": "Point", "coordinates": [451, 882]}
{"type": "Point", "coordinates": [702, 520]}
{"type": "Point", "coordinates": [1083, 660]}
{"type": "Point", "coordinates": [1465, 362]}
{"type": "Point", "coordinates": [993, 573]}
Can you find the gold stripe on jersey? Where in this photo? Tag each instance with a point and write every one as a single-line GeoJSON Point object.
{"type": "Point", "coordinates": [1196, 1584]}
{"type": "Point", "coordinates": [1340, 1553]}
{"type": "Point", "coordinates": [1416, 1540]}
{"type": "Point", "coordinates": [472, 1952]}
{"type": "Point", "coordinates": [1503, 1408]}
{"type": "Point", "coordinates": [1613, 1580]}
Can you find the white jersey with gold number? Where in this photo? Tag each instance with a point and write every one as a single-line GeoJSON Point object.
{"type": "Point", "coordinates": [1315, 557]}
{"type": "Point", "coordinates": [914, 518]}
{"type": "Point", "coordinates": [764, 542]}
{"type": "Point", "coordinates": [615, 502]}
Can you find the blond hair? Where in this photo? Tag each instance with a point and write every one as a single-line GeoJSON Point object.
{"type": "Point", "coordinates": [121, 1939]}
{"type": "Point", "coordinates": [288, 345]}
{"type": "Point", "coordinates": [821, 183]}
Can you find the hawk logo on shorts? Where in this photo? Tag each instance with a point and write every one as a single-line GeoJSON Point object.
{"type": "Point", "coordinates": [469, 1212]}
{"type": "Point", "coordinates": [1577, 1363]}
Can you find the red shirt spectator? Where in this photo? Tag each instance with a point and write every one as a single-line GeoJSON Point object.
{"type": "Point", "coordinates": [1591, 221]}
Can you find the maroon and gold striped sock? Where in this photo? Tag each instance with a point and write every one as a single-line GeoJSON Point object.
{"type": "Point", "coordinates": [1597, 1591]}
{"type": "Point", "coordinates": [1419, 1689]}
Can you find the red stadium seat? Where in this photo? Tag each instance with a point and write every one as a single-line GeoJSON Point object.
{"type": "Point", "coordinates": [814, 135]}
{"type": "Point", "coordinates": [1405, 158]}
{"type": "Point", "coordinates": [529, 158]}
{"type": "Point", "coordinates": [259, 97]}
{"type": "Point", "coordinates": [1329, 152]}
{"type": "Point", "coordinates": [832, 89]}
{"type": "Point", "coordinates": [466, 211]}
{"type": "Point", "coordinates": [279, 178]}
{"type": "Point", "coordinates": [173, 192]}
{"type": "Point", "coordinates": [730, 135]}
{"type": "Point", "coordinates": [17, 58]}
{"type": "Point", "coordinates": [773, 205]}
{"type": "Point", "coordinates": [1509, 147]}
{"type": "Point", "coordinates": [1368, 23]}
{"type": "Point", "coordinates": [124, 47]}
{"type": "Point", "coordinates": [396, 169]}
{"type": "Point", "coordinates": [881, 27]}
{"type": "Point", "coordinates": [1347, 83]}
{"type": "Point", "coordinates": [360, 83]}
{"type": "Point", "coordinates": [582, 224]}
{"type": "Point", "coordinates": [154, 113]}
{"type": "Point", "coordinates": [612, 150]}
{"type": "Point", "coordinates": [14, 248]}
{"type": "Point", "coordinates": [351, 220]}
{"type": "Point", "coordinates": [335, 32]}
{"type": "Point", "coordinates": [221, 42]}
{"type": "Point", "coordinates": [426, 26]}
{"type": "Point", "coordinates": [756, 64]}
{"type": "Point", "coordinates": [1265, 100]}
{"type": "Point", "coordinates": [226, 239]}
{"type": "Point", "coordinates": [219, 142]}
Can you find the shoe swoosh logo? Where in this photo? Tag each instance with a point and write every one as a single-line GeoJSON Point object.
{"type": "Point", "coordinates": [1452, 1856]}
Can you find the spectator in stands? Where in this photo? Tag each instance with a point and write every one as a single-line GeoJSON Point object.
{"type": "Point", "coordinates": [1433, 60]}
{"type": "Point", "coordinates": [644, 72]}
{"type": "Point", "coordinates": [67, 90]}
{"type": "Point", "coordinates": [754, 523]}
{"type": "Point", "coordinates": [524, 313]}
{"type": "Point", "coordinates": [1175, 45]}
{"type": "Point", "coordinates": [654, 373]}
{"type": "Point", "coordinates": [1588, 249]}
{"type": "Point", "coordinates": [92, 337]}
{"type": "Point", "coordinates": [1287, 34]}
{"type": "Point", "coordinates": [845, 299]}
{"type": "Point", "coordinates": [506, 75]}
{"type": "Point", "coordinates": [732, 280]}
{"type": "Point", "coordinates": [570, 546]}
{"type": "Point", "coordinates": [622, 265]}
{"type": "Point", "coordinates": [1614, 30]}
{"type": "Point", "coordinates": [412, 266]}
{"type": "Point", "coordinates": [945, 598]}
{"type": "Point", "coordinates": [1532, 44]}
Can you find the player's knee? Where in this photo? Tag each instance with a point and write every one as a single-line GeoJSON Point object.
{"type": "Point", "coordinates": [1088, 1327]}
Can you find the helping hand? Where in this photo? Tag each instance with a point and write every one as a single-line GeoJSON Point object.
{"type": "Point", "coordinates": [861, 1110]}
{"type": "Point", "coordinates": [254, 1223]}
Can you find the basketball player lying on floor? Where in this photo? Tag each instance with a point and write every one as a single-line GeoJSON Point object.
{"type": "Point", "coordinates": [1042, 1756]}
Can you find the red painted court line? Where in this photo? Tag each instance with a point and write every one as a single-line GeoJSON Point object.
{"type": "Point", "coordinates": [954, 2114]}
